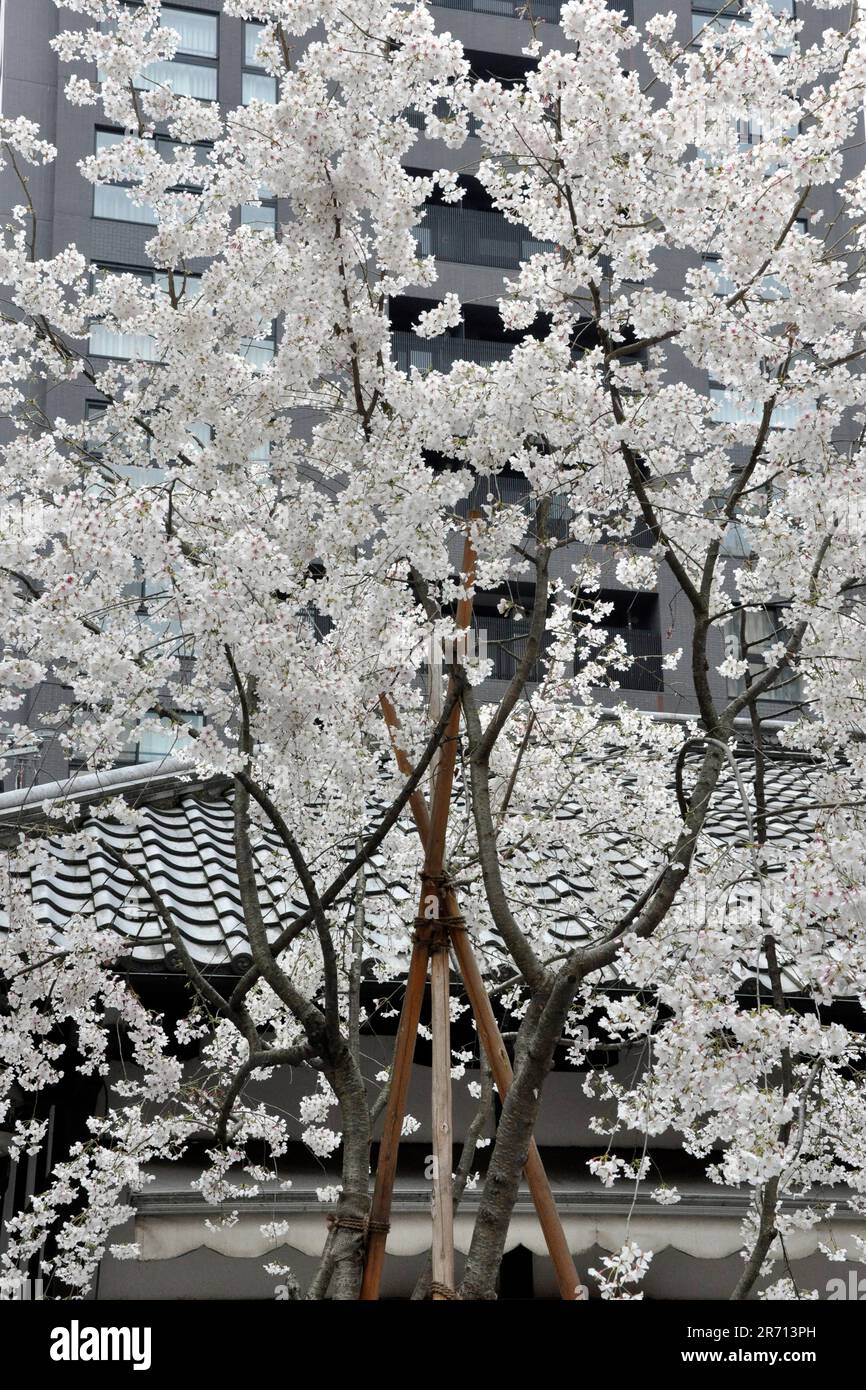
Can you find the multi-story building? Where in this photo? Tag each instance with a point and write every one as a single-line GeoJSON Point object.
{"type": "Point", "coordinates": [474, 245]}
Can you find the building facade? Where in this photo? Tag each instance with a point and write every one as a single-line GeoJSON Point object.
{"type": "Point", "coordinates": [474, 246]}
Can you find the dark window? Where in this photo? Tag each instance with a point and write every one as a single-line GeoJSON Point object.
{"type": "Point", "coordinates": [472, 233]}
{"type": "Point", "coordinates": [633, 617]}
{"type": "Point", "coordinates": [505, 633]}
{"type": "Point", "coordinates": [548, 10]}
{"type": "Point", "coordinates": [479, 337]}
{"type": "Point", "coordinates": [311, 619]}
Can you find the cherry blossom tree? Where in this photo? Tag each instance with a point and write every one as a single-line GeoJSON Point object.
{"type": "Point", "coordinates": [271, 539]}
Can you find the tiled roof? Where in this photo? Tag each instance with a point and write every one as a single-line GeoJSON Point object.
{"type": "Point", "coordinates": [185, 845]}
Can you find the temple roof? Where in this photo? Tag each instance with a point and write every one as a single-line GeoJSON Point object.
{"type": "Point", "coordinates": [184, 844]}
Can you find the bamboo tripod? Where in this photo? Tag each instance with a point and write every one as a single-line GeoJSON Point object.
{"type": "Point", "coordinates": [439, 928]}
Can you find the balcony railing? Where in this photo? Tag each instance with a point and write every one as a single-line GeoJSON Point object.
{"type": "Point", "coordinates": [641, 536]}
{"type": "Point", "coordinates": [643, 646]}
{"type": "Point", "coordinates": [471, 237]}
{"type": "Point", "coordinates": [440, 354]}
{"type": "Point", "coordinates": [506, 9]}
{"type": "Point", "coordinates": [513, 9]}
{"type": "Point", "coordinates": [506, 643]}
{"type": "Point", "coordinates": [443, 110]}
{"type": "Point", "coordinates": [512, 490]}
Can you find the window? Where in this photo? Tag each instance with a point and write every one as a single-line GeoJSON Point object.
{"type": "Point", "coordinates": [197, 30]}
{"type": "Point", "coordinates": [507, 70]}
{"type": "Point", "coordinates": [115, 200]}
{"type": "Point", "coordinates": [193, 71]}
{"type": "Point", "coordinates": [106, 341]}
{"type": "Point", "coordinates": [183, 78]}
{"type": "Point", "coordinates": [261, 215]}
{"type": "Point", "coordinates": [473, 232]}
{"type": "Point", "coordinates": [750, 636]}
{"type": "Point", "coordinates": [769, 287]}
{"type": "Point", "coordinates": [721, 18]}
{"type": "Point", "coordinates": [263, 218]}
{"type": "Point", "coordinates": [502, 636]}
{"type": "Point", "coordinates": [736, 538]}
{"type": "Point", "coordinates": [128, 452]}
{"type": "Point", "coordinates": [153, 742]}
{"type": "Point", "coordinates": [548, 10]}
{"type": "Point", "coordinates": [259, 351]}
{"type": "Point", "coordinates": [256, 84]}
{"type": "Point", "coordinates": [260, 453]}
{"type": "Point", "coordinates": [123, 460]}
{"type": "Point", "coordinates": [313, 625]}
{"type": "Point", "coordinates": [168, 149]}
{"type": "Point", "coordinates": [731, 408]}
{"type": "Point", "coordinates": [746, 133]}
{"type": "Point", "coordinates": [160, 624]}
{"type": "Point", "coordinates": [633, 617]}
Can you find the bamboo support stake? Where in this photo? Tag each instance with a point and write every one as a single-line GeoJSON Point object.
{"type": "Point", "coordinates": [380, 1209]}
{"type": "Point", "coordinates": [440, 1023]}
{"type": "Point", "coordinates": [428, 913]}
{"type": "Point", "coordinates": [442, 1252]}
{"type": "Point", "coordinates": [567, 1276]}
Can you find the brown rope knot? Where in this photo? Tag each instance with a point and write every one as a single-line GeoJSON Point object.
{"type": "Point", "coordinates": [442, 1290]}
{"type": "Point", "coordinates": [438, 880]}
{"type": "Point", "coordinates": [380, 1227]}
{"type": "Point", "coordinates": [347, 1221]}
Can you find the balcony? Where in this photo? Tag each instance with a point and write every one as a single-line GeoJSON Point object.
{"type": "Point", "coordinates": [471, 237]}
{"type": "Point", "coordinates": [643, 646]}
{"type": "Point", "coordinates": [640, 536]}
{"type": "Point", "coordinates": [440, 354]}
{"type": "Point", "coordinates": [506, 9]}
{"type": "Point", "coordinates": [548, 10]}
{"type": "Point", "coordinates": [505, 640]}
{"type": "Point", "coordinates": [512, 490]}
{"type": "Point", "coordinates": [443, 110]}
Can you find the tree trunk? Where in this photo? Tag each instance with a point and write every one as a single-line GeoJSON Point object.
{"type": "Point", "coordinates": [343, 1257]}
{"type": "Point", "coordinates": [519, 1113]}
